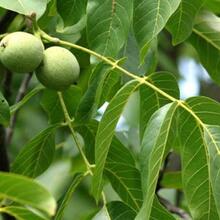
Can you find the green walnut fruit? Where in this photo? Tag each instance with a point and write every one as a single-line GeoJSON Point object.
{"type": "Point", "coordinates": [59, 68]}
{"type": "Point", "coordinates": [21, 52]}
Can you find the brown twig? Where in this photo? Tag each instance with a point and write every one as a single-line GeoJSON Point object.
{"type": "Point", "coordinates": [4, 161]}
{"type": "Point", "coordinates": [173, 209]}
{"type": "Point", "coordinates": [162, 171]}
{"type": "Point", "coordinates": [21, 93]}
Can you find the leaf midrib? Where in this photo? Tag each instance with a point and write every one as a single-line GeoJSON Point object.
{"type": "Point", "coordinates": [206, 38]}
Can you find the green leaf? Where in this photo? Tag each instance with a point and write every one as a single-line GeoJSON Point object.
{"type": "Point", "coordinates": [212, 140]}
{"type": "Point", "coordinates": [88, 132]}
{"type": "Point", "coordinates": [68, 196]}
{"type": "Point", "coordinates": [150, 17]}
{"type": "Point", "coordinates": [155, 146]}
{"type": "Point", "coordinates": [172, 180]}
{"type": "Point", "coordinates": [21, 213]}
{"type": "Point", "coordinates": [89, 103]}
{"type": "Point", "coordinates": [37, 155]}
{"type": "Point", "coordinates": [196, 176]}
{"type": "Point", "coordinates": [181, 23]}
{"type": "Point", "coordinates": [25, 7]}
{"type": "Point", "coordinates": [108, 25]}
{"type": "Point", "coordinates": [4, 111]}
{"type": "Point", "coordinates": [205, 37]}
{"type": "Point", "coordinates": [123, 175]}
{"type": "Point", "coordinates": [160, 212]}
{"type": "Point", "coordinates": [110, 86]}
{"type": "Point", "coordinates": [51, 104]}
{"type": "Point", "coordinates": [208, 110]}
{"type": "Point", "coordinates": [26, 192]}
{"type": "Point", "coordinates": [71, 11]}
{"type": "Point", "coordinates": [115, 210]}
{"type": "Point", "coordinates": [150, 100]}
{"type": "Point", "coordinates": [106, 130]}
{"type": "Point", "coordinates": [213, 5]}
{"type": "Point", "coordinates": [132, 64]}
{"type": "Point", "coordinates": [26, 98]}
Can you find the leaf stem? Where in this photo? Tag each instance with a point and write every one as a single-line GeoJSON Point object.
{"type": "Point", "coordinates": [74, 135]}
{"type": "Point", "coordinates": [142, 80]}
{"type": "Point", "coordinates": [78, 144]}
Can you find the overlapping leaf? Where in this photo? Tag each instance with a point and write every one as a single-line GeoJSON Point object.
{"type": "Point", "coordinates": [172, 180]}
{"type": "Point", "coordinates": [208, 111]}
{"type": "Point", "coordinates": [108, 25]}
{"type": "Point", "coordinates": [26, 98]}
{"type": "Point", "coordinates": [115, 210]}
{"type": "Point", "coordinates": [205, 39]}
{"type": "Point", "coordinates": [21, 213]}
{"type": "Point", "coordinates": [155, 146]}
{"type": "Point", "coordinates": [160, 212]}
{"type": "Point", "coordinates": [51, 104]}
{"type": "Point", "coordinates": [111, 85]}
{"type": "Point", "coordinates": [150, 100]}
{"type": "Point", "coordinates": [26, 192]}
{"type": "Point", "coordinates": [88, 105]}
{"type": "Point", "coordinates": [213, 5]}
{"type": "Point", "coordinates": [68, 196]}
{"type": "Point", "coordinates": [71, 11]}
{"type": "Point", "coordinates": [106, 130]}
{"type": "Point", "coordinates": [123, 175]}
{"type": "Point", "coordinates": [181, 23]}
{"type": "Point", "coordinates": [88, 133]}
{"type": "Point", "coordinates": [150, 17]}
{"type": "Point", "coordinates": [25, 7]}
{"type": "Point", "coordinates": [196, 176]}
{"type": "Point", "coordinates": [4, 111]}
{"type": "Point", "coordinates": [212, 140]}
{"type": "Point", "coordinates": [37, 155]}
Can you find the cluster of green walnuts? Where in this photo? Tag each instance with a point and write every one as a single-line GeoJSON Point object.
{"type": "Point", "coordinates": [56, 67]}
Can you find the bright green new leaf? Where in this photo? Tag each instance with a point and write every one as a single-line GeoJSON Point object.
{"type": "Point", "coordinates": [181, 23]}
{"type": "Point", "coordinates": [106, 131]}
{"type": "Point", "coordinates": [37, 155]}
{"type": "Point", "coordinates": [155, 146]}
{"type": "Point", "coordinates": [25, 191]}
{"type": "Point", "coordinates": [25, 7]}
{"type": "Point", "coordinates": [108, 24]}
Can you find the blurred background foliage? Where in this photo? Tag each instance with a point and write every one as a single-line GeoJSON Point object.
{"type": "Point", "coordinates": [181, 60]}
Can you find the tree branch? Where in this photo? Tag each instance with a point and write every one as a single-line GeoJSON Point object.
{"type": "Point", "coordinates": [21, 93]}
{"type": "Point", "coordinates": [173, 209]}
